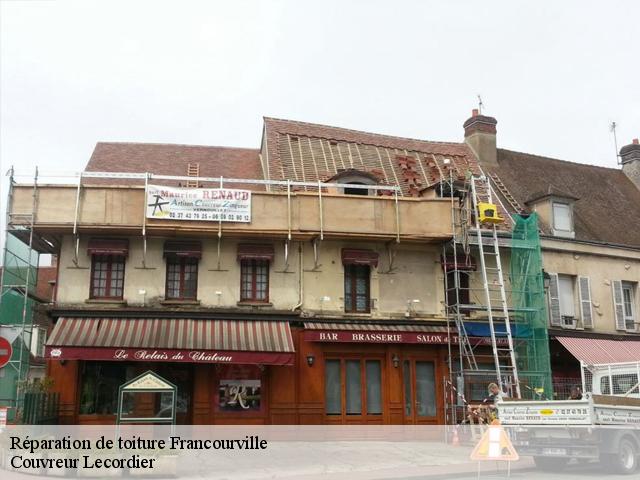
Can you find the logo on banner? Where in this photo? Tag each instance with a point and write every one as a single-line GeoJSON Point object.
{"type": "Point", "coordinates": [199, 204]}
{"type": "Point", "coordinates": [55, 352]}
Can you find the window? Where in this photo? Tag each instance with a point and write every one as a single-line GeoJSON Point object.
{"type": "Point", "coordinates": [356, 288]}
{"type": "Point", "coordinates": [463, 289]}
{"type": "Point", "coordinates": [99, 387]}
{"type": "Point", "coordinates": [628, 302]}
{"type": "Point", "coordinates": [358, 382]}
{"type": "Point", "coordinates": [356, 191]}
{"type": "Point", "coordinates": [623, 384]}
{"type": "Point", "coordinates": [182, 278]}
{"type": "Point", "coordinates": [562, 219]}
{"type": "Point", "coordinates": [107, 276]}
{"type": "Point", "coordinates": [567, 299]}
{"type": "Point", "coordinates": [254, 280]}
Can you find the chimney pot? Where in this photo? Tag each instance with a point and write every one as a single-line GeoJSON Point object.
{"type": "Point", "coordinates": [636, 141]}
{"type": "Point", "coordinates": [474, 112]}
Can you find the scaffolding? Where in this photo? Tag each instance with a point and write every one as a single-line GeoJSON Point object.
{"type": "Point", "coordinates": [17, 301]}
{"type": "Point", "coordinates": [511, 307]}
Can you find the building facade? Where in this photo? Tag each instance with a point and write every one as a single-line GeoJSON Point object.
{"type": "Point", "coordinates": [304, 282]}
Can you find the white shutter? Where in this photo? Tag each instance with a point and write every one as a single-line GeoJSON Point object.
{"type": "Point", "coordinates": [554, 301]}
{"type": "Point", "coordinates": [586, 312]}
{"type": "Point", "coordinates": [618, 306]}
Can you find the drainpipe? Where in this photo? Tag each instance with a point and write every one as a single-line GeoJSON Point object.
{"type": "Point", "coordinates": [300, 278]}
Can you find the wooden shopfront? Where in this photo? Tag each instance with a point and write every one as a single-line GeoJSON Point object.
{"type": "Point", "coordinates": [378, 374]}
{"type": "Point", "coordinates": [221, 368]}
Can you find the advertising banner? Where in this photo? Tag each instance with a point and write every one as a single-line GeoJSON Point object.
{"type": "Point", "coordinates": [199, 204]}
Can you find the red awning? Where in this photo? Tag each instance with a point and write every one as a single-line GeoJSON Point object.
{"type": "Point", "coordinates": [172, 340]}
{"type": "Point", "coordinates": [351, 256]}
{"type": "Point", "coordinates": [463, 263]}
{"type": "Point", "coordinates": [255, 252]}
{"type": "Point", "coordinates": [593, 351]}
{"type": "Point", "coordinates": [182, 249]}
{"type": "Point", "coordinates": [108, 246]}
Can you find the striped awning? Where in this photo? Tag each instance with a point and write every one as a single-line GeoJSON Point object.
{"type": "Point", "coordinates": [180, 340]}
{"type": "Point", "coordinates": [375, 327]}
{"type": "Point", "coordinates": [593, 351]}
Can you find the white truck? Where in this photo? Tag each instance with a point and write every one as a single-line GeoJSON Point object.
{"type": "Point", "coordinates": [604, 424]}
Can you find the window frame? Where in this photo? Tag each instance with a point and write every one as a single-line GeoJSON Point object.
{"type": "Point", "coordinates": [629, 319]}
{"type": "Point", "coordinates": [110, 260]}
{"type": "Point", "coordinates": [249, 265]}
{"type": "Point", "coordinates": [353, 283]}
{"type": "Point", "coordinates": [364, 390]}
{"type": "Point", "coordinates": [561, 232]}
{"type": "Point", "coordinates": [572, 280]}
{"type": "Point", "coordinates": [183, 261]}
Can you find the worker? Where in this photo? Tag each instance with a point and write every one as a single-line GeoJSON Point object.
{"type": "Point", "coordinates": [575, 394]}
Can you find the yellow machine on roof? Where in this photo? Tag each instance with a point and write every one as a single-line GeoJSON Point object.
{"type": "Point", "coordinates": [488, 213]}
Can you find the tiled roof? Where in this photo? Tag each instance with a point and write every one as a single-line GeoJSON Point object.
{"type": "Point", "coordinates": [169, 159]}
{"type": "Point", "coordinates": [607, 203]}
{"type": "Point", "coordinates": [309, 152]}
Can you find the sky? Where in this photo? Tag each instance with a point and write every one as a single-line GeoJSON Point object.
{"type": "Point", "coordinates": [554, 74]}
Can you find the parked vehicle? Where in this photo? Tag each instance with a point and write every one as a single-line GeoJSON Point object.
{"type": "Point", "coordinates": [604, 424]}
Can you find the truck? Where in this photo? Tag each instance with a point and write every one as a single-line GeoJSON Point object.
{"type": "Point", "coordinates": [603, 425]}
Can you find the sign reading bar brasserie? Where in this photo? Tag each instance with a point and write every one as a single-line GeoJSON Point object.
{"type": "Point", "coordinates": [200, 204]}
{"type": "Point", "coordinates": [389, 337]}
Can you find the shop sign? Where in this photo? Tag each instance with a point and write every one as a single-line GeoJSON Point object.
{"type": "Point", "coordinates": [350, 336]}
{"type": "Point", "coordinates": [199, 204]}
{"type": "Point", "coordinates": [239, 395]}
{"type": "Point", "coordinates": [169, 355]}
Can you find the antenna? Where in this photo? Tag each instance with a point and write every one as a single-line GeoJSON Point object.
{"type": "Point", "coordinates": [613, 127]}
{"type": "Point", "coordinates": [480, 104]}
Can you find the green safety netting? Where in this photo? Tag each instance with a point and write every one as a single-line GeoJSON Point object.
{"type": "Point", "coordinates": [530, 309]}
{"type": "Point", "coordinates": [19, 277]}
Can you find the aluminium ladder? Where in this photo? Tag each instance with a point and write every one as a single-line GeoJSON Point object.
{"type": "Point", "coordinates": [495, 294]}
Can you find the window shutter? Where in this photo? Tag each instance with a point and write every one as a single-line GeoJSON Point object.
{"type": "Point", "coordinates": [554, 301]}
{"type": "Point", "coordinates": [618, 307]}
{"type": "Point", "coordinates": [586, 312]}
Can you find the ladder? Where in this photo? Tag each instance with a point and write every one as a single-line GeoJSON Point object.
{"type": "Point", "coordinates": [506, 193]}
{"type": "Point", "coordinates": [494, 293]}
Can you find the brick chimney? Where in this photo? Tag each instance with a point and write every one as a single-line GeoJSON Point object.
{"type": "Point", "coordinates": [630, 157]}
{"type": "Point", "coordinates": [480, 135]}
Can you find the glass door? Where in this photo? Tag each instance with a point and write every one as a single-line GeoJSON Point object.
{"type": "Point", "coordinates": [419, 378]}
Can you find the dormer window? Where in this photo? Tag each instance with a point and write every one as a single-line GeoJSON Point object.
{"type": "Point", "coordinates": [356, 191]}
{"type": "Point", "coordinates": [355, 177]}
{"type": "Point", "coordinates": [555, 208]}
{"type": "Point", "coordinates": [562, 219]}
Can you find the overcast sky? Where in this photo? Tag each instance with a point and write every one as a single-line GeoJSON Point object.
{"type": "Point", "coordinates": [75, 73]}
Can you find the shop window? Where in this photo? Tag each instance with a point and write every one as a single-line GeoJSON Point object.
{"type": "Point", "coordinates": [358, 382]}
{"type": "Point", "coordinates": [182, 278]}
{"type": "Point", "coordinates": [333, 390]}
{"type": "Point", "coordinates": [357, 288]}
{"type": "Point", "coordinates": [240, 389]}
{"type": "Point", "coordinates": [254, 280]}
{"type": "Point", "coordinates": [99, 387]}
{"type": "Point", "coordinates": [107, 276]}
